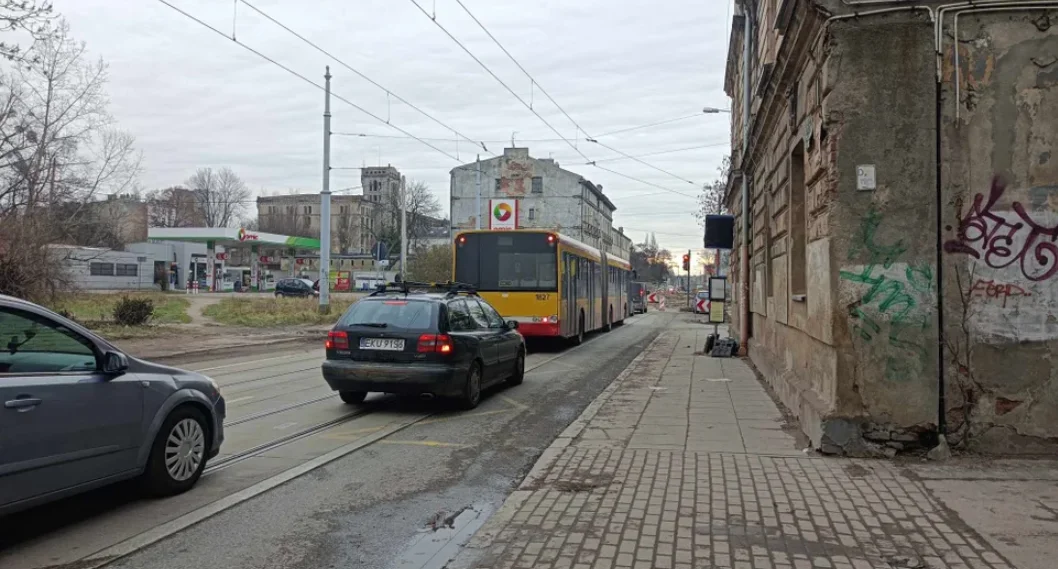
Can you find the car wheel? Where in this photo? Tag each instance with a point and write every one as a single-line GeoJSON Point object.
{"type": "Point", "coordinates": [178, 454]}
{"type": "Point", "coordinates": [279, 295]}
{"type": "Point", "coordinates": [352, 397]}
{"type": "Point", "coordinates": [472, 389]}
{"type": "Point", "coordinates": [519, 370]}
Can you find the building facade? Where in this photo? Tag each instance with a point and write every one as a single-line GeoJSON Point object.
{"type": "Point", "coordinates": [353, 219]}
{"type": "Point", "coordinates": [548, 197]}
{"type": "Point", "coordinates": [895, 182]}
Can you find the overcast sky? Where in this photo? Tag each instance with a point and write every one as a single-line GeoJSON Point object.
{"type": "Point", "coordinates": [193, 98]}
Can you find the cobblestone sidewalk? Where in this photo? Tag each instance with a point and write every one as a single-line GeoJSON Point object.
{"type": "Point", "coordinates": [685, 462]}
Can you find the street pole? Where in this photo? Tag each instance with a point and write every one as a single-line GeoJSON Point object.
{"type": "Point", "coordinates": [325, 200]}
{"type": "Point", "coordinates": [689, 278]}
{"type": "Point", "coordinates": [403, 231]}
{"type": "Point", "coordinates": [477, 211]}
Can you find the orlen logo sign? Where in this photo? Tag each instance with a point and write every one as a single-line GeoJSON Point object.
{"type": "Point", "coordinates": [504, 214]}
{"type": "Point", "coordinates": [246, 235]}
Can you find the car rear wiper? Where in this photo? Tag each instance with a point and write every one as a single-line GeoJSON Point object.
{"type": "Point", "coordinates": [371, 324]}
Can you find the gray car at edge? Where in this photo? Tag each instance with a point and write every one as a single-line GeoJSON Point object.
{"type": "Point", "coordinates": [78, 413]}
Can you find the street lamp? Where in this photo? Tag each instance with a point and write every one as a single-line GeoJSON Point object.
{"type": "Point", "coordinates": [714, 110]}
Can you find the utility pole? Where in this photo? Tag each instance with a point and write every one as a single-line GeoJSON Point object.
{"type": "Point", "coordinates": [689, 293]}
{"type": "Point", "coordinates": [477, 214]}
{"type": "Point", "coordinates": [325, 200]}
{"type": "Point", "coordinates": [403, 230]}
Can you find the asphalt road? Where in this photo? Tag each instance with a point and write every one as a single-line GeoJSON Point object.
{"type": "Point", "coordinates": [306, 481]}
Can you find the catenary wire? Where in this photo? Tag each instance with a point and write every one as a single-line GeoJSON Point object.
{"type": "Point", "coordinates": [306, 79]}
{"type": "Point", "coordinates": [364, 77]}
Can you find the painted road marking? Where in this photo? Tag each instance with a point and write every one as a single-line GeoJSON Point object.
{"type": "Point", "coordinates": [284, 426]}
{"type": "Point", "coordinates": [238, 399]}
{"type": "Point", "coordinates": [424, 443]}
{"type": "Point", "coordinates": [513, 403]}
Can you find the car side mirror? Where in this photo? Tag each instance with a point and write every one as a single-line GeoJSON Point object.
{"type": "Point", "coordinates": [115, 363]}
{"type": "Point", "coordinates": [512, 324]}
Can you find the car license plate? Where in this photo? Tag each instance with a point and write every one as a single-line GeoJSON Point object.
{"type": "Point", "coordinates": [391, 344]}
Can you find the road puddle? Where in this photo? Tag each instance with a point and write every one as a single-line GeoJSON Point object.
{"type": "Point", "coordinates": [442, 537]}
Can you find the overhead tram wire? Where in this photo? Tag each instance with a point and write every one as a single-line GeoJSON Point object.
{"type": "Point", "coordinates": [497, 78]}
{"type": "Point", "coordinates": [536, 83]}
{"type": "Point", "coordinates": [305, 79]}
{"type": "Point", "coordinates": [648, 125]}
{"type": "Point", "coordinates": [365, 77]}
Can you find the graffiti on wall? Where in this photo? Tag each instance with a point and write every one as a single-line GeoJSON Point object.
{"type": "Point", "coordinates": [892, 294]}
{"type": "Point", "coordinates": [1005, 239]}
{"type": "Point", "coordinates": [1012, 253]}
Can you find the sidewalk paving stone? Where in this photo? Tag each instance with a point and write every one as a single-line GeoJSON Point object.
{"type": "Point", "coordinates": [686, 462]}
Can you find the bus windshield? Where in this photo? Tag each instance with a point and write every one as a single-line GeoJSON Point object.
{"type": "Point", "coordinates": [507, 261]}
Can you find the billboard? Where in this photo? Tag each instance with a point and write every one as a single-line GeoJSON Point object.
{"type": "Point", "coordinates": [503, 215]}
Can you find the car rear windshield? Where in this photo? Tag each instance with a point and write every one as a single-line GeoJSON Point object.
{"type": "Point", "coordinates": [396, 313]}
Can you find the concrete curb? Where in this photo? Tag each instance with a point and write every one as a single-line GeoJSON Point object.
{"type": "Point", "coordinates": [310, 337]}
{"type": "Point", "coordinates": [551, 453]}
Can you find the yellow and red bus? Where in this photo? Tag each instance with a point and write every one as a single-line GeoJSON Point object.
{"type": "Point", "coordinates": [551, 284]}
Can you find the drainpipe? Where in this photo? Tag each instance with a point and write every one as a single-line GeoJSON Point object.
{"type": "Point", "coordinates": [747, 30]}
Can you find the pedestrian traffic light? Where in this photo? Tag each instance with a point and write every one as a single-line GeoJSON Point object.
{"type": "Point", "coordinates": [686, 262]}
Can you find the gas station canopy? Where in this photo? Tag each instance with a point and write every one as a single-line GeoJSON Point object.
{"type": "Point", "coordinates": [228, 236]}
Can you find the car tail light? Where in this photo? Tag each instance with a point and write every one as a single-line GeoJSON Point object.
{"type": "Point", "coordinates": [435, 343]}
{"type": "Point", "coordinates": [337, 341]}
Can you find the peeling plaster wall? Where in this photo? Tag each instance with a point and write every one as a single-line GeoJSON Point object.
{"type": "Point", "coordinates": [565, 203]}
{"type": "Point", "coordinates": [1001, 238]}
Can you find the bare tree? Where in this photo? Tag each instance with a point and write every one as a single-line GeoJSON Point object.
{"type": "Point", "coordinates": [423, 207]}
{"type": "Point", "coordinates": [59, 152]}
{"type": "Point", "coordinates": [711, 200]}
{"type": "Point", "coordinates": [221, 196]}
{"type": "Point", "coordinates": [174, 206]}
{"type": "Point", "coordinates": [28, 17]}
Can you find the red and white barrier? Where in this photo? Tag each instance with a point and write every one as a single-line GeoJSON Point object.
{"type": "Point", "coordinates": [702, 306]}
{"type": "Point", "coordinates": [652, 298]}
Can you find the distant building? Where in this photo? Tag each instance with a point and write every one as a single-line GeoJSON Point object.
{"type": "Point", "coordinates": [353, 219]}
{"type": "Point", "coordinates": [381, 184]}
{"type": "Point", "coordinates": [547, 196]}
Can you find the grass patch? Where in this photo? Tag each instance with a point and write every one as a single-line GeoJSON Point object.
{"type": "Point", "coordinates": [97, 310]}
{"type": "Point", "coordinates": [270, 312]}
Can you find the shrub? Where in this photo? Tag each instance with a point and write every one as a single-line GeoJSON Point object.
{"type": "Point", "coordinates": [133, 311]}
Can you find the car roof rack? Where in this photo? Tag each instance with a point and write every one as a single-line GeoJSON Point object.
{"type": "Point", "coordinates": [404, 287]}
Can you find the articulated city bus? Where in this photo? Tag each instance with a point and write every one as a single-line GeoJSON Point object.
{"type": "Point", "coordinates": [551, 284]}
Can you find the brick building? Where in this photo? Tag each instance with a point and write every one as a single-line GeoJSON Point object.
{"type": "Point", "coordinates": [895, 180]}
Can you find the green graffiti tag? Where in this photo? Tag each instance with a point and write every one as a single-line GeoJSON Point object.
{"type": "Point", "coordinates": [892, 299]}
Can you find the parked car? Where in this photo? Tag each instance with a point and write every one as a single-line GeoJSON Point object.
{"type": "Point", "coordinates": [418, 339]}
{"type": "Point", "coordinates": [296, 287]}
{"type": "Point", "coordinates": [700, 295]}
{"type": "Point", "coordinates": [79, 413]}
{"type": "Point", "coordinates": [637, 298]}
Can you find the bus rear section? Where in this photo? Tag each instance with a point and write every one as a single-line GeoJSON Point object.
{"type": "Point", "coordinates": [517, 273]}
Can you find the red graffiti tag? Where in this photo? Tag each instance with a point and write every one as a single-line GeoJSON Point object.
{"type": "Point", "coordinates": [992, 289]}
{"type": "Point", "coordinates": [990, 237]}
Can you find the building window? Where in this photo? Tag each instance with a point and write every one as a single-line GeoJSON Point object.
{"type": "Point", "coordinates": [532, 213]}
{"type": "Point", "coordinates": [127, 270]}
{"type": "Point", "coordinates": [499, 184]}
{"type": "Point", "coordinates": [798, 222]}
{"type": "Point", "coordinates": [308, 210]}
{"type": "Point", "coordinates": [101, 269]}
{"type": "Point", "coordinates": [538, 185]}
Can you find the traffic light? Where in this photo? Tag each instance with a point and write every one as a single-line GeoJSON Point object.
{"type": "Point", "coordinates": [686, 262]}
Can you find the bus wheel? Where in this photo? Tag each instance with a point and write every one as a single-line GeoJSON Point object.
{"type": "Point", "coordinates": [609, 321]}
{"type": "Point", "coordinates": [579, 338]}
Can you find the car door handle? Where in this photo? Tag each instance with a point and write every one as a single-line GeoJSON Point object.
{"type": "Point", "coordinates": [22, 403]}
